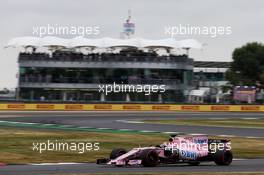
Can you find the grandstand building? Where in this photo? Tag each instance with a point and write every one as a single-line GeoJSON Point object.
{"type": "Point", "coordinates": [72, 70]}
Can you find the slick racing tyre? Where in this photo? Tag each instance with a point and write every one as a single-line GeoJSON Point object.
{"type": "Point", "coordinates": [117, 152]}
{"type": "Point", "coordinates": [223, 157]}
{"type": "Point", "coordinates": [150, 158]}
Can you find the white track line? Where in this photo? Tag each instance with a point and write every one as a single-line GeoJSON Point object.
{"type": "Point", "coordinates": [126, 129]}
{"type": "Point", "coordinates": [196, 134]}
{"type": "Point", "coordinates": [85, 127]}
{"type": "Point", "coordinates": [146, 131]}
{"type": "Point", "coordinates": [227, 135]}
{"type": "Point", "coordinates": [48, 124]}
{"type": "Point", "coordinates": [66, 126]}
{"type": "Point", "coordinates": [218, 118]}
{"type": "Point", "coordinates": [129, 121]}
{"type": "Point", "coordinates": [171, 132]}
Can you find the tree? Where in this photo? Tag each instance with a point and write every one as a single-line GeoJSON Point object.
{"type": "Point", "coordinates": [247, 67]}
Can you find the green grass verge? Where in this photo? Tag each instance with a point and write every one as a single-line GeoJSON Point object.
{"type": "Point", "coordinates": [16, 145]}
{"type": "Point", "coordinates": [240, 123]}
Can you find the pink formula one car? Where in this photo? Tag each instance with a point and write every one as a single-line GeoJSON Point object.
{"type": "Point", "coordinates": [179, 149]}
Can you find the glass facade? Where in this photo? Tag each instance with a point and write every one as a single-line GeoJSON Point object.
{"type": "Point", "coordinates": [103, 75]}
{"type": "Point", "coordinates": [209, 76]}
{"type": "Point", "coordinates": [80, 84]}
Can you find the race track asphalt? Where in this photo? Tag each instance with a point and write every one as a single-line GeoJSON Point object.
{"type": "Point", "coordinates": [119, 121]}
{"type": "Point", "coordinates": [251, 165]}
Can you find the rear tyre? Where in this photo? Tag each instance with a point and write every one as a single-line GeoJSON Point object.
{"type": "Point", "coordinates": [117, 152]}
{"type": "Point", "coordinates": [150, 158]}
{"type": "Point", "coordinates": [223, 158]}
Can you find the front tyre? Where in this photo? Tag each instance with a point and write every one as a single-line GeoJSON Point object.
{"type": "Point", "coordinates": [150, 158]}
{"type": "Point", "coordinates": [117, 152]}
{"type": "Point", "coordinates": [223, 158]}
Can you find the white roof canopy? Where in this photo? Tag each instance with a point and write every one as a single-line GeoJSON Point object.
{"type": "Point", "coordinates": [23, 42]}
{"type": "Point", "coordinates": [202, 92]}
{"type": "Point", "coordinates": [50, 41]}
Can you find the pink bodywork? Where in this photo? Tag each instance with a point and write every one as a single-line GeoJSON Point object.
{"type": "Point", "coordinates": [188, 148]}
